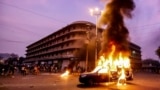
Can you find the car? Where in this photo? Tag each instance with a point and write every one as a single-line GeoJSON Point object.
{"type": "Point", "coordinates": [103, 74]}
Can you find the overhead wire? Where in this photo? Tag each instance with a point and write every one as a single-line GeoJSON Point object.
{"type": "Point", "coordinates": [26, 10]}
{"type": "Point", "coordinates": [12, 41]}
{"type": "Point", "coordinates": [61, 20]}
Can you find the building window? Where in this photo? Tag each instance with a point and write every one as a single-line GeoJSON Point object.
{"type": "Point", "coordinates": [63, 32]}
{"type": "Point", "coordinates": [73, 28]}
{"type": "Point", "coordinates": [68, 36]}
{"type": "Point", "coordinates": [62, 39]}
{"type": "Point", "coordinates": [62, 46]}
{"type": "Point", "coordinates": [68, 30]}
{"type": "Point", "coordinates": [67, 44]}
{"type": "Point", "coordinates": [73, 35]}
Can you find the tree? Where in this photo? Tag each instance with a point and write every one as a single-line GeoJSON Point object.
{"type": "Point", "coordinates": [158, 52]}
{"type": "Point", "coordinates": [21, 60]}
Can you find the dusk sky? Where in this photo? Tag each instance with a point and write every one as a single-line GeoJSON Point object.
{"type": "Point", "coordinates": [23, 22]}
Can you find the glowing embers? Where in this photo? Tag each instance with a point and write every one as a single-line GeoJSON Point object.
{"type": "Point", "coordinates": [66, 73]}
{"type": "Point", "coordinates": [112, 64]}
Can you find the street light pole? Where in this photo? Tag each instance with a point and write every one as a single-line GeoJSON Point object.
{"type": "Point", "coordinates": [95, 12]}
{"type": "Point", "coordinates": [87, 42]}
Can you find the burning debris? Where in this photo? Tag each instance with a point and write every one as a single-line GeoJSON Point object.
{"type": "Point", "coordinates": [115, 40]}
{"type": "Point", "coordinates": [66, 73]}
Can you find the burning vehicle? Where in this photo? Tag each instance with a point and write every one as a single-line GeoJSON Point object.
{"type": "Point", "coordinates": [113, 62]}
{"type": "Point", "coordinates": [103, 74]}
{"type": "Point", "coordinates": [108, 71]}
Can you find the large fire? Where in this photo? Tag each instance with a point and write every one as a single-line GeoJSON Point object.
{"type": "Point", "coordinates": [121, 62]}
{"type": "Point", "coordinates": [115, 51]}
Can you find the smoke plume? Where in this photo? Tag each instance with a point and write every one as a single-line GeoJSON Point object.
{"type": "Point", "coordinates": [116, 33]}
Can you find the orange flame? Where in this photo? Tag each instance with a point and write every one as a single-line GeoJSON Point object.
{"type": "Point", "coordinates": [121, 62]}
{"type": "Point", "coordinates": [66, 73]}
{"type": "Point", "coordinates": [122, 78]}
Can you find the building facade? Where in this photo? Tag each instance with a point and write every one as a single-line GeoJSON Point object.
{"type": "Point", "coordinates": [135, 56]}
{"type": "Point", "coordinates": [71, 46]}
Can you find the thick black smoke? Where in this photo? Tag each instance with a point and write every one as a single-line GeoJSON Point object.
{"type": "Point", "coordinates": [116, 33]}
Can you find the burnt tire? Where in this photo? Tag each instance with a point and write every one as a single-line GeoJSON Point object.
{"type": "Point", "coordinates": [90, 82]}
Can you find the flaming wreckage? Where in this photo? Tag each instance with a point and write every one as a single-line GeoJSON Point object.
{"type": "Point", "coordinates": [113, 62]}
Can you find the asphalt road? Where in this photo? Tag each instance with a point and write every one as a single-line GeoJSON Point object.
{"type": "Point", "coordinates": [46, 81]}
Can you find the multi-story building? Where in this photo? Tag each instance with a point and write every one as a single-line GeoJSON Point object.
{"type": "Point", "coordinates": [72, 46]}
{"type": "Point", "coordinates": [135, 56]}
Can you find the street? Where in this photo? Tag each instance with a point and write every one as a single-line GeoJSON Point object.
{"type": "Point", "coordinates": [47, 81]}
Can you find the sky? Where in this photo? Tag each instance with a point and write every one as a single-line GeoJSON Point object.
{"type": "Point", "coordinates": [23, 22]}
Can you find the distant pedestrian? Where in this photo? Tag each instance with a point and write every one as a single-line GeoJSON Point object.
{"type": "Point", "coordinates": [36, 70]}
{"type": "Point", "coordinates": [23, 70]}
